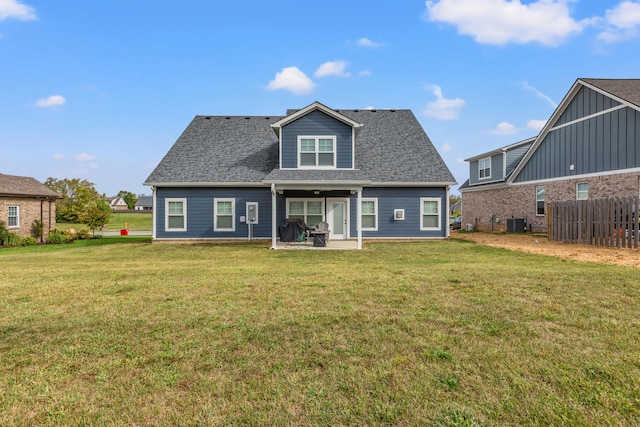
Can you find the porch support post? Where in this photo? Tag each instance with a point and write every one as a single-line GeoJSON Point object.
{"type": "Point", "coordinates": [154, 205]}
{"type": "Point", "coordinates": [359, 217]}
{"type": "Point", "coordinates": [273, 217]}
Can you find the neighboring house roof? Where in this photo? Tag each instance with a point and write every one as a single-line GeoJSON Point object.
{"type": "Point", "coordinates": [117, 201]}
{"type": "Point", "coordinates": [145, 201]}
{"type": "Point", "coordinates": [24, 186]}
{"type": "Point", "coordinates": [391, 147]}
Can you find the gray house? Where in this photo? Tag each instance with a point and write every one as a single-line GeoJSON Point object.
{"type": "Point", "coordinates": [370, 174]}
{"type": "Point", "coordinates": [589, 149]}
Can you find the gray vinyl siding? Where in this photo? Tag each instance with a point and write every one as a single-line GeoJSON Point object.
{"type": "Point", "coordinates": [514, 156]}
{"type": "Point", "coordinates": [200, 212]}
{"type": "Point", "coordinates": [401, 198]}
{"type": "Point", "coordinates": [317, 123]}
{"type": "Point", "coordinates": [585, 103]}
{"type": "Point", "coordinates": [604, 143]}
{"type": "Point", "coordinates": [497, 171]}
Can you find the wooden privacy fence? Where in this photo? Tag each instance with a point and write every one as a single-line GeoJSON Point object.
{"type": "Point", "coordinates": [602, 222]}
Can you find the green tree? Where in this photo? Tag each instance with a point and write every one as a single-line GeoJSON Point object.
{"type": "Point", "coordinates": [77, 195]}
{"type": "Point", "coordinates": [96, 215]}
{"type": "Point", "coordinates": [130, 198]}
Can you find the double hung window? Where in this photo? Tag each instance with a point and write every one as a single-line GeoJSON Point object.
{"type": "Point", "coordinates": [369, 212]}
{"type": "Point", "coordinates": [316, 151]}
{"type": "Point", "coordinates": [14, 217]}
{"type": "Point", "coordinates": [539, 200]}
{"type": "Point", "coordinates": [430, 214]}
{"type": "Point", "coordinates": [310, 211]}
{"type": "Point", "coordinates": [175, 214]}
{"type": "Point", "coordinates": [484, 168]}
{"type": "Point", "coordinates": [224, 214]}
{"type": "Point", "coordinates": [582, 191]}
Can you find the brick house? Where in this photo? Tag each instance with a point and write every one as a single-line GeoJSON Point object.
{"type": "Point", "coordinates": [22, 201]}
{"type": "Point", "coordinates": [589, 149]}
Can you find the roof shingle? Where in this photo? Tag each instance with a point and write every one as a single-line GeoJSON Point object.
{"type": "Point", "coordinates": [11, 185]}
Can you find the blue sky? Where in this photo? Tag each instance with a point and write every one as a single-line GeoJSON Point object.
{"type": "Point", "coordinates": [101, 90]}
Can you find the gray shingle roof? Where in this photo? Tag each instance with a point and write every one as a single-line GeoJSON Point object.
{"type": "Point", "coordinates": [627, 89]}
{"type": "Point", "coordinates": [391, 147]}
{"type": "Point", "coordinates": [11, 185]}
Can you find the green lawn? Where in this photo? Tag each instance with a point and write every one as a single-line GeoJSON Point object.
{"type": "Point", "coordinates": [445, 333]}
{"type": "Point", "coordinates": [119, 220]}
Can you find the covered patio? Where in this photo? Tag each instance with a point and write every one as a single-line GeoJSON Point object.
{"type": "Point", "coordinates": [332, 245]}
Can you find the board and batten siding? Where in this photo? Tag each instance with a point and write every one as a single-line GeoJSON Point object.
{"type": "Point", "coordinates": [317, 123]}
{"type": "Point", "coordinates": [585, 103]}
{"type": "Point", "coordinates": [200, 212]}
{"type": "Point", "coordinates": [603, 143]}
{"type": "Point", "coordinates": [401, 198]}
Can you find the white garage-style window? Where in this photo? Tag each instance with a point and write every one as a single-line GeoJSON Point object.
{"type": "Point", "coordinates": [369, 214]}
{"type": "Point", "coordinates": [175, 215]}
{"type": "Point", "coordinates": [13, 221]}
{"type": "Point", "coordinates": [317, 152]}
{"type": "Point", "coordinates": [224, 213]}
{"type": "Point", "coordinates": [430, 214]}
{"type": "Point", "coordinates": [311, 211]}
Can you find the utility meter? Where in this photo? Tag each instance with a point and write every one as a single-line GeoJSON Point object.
{"type": "Point", "coordinates": [252, 212]}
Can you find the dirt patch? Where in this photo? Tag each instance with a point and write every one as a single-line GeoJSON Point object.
{"type": "Point", "coordinates": [538, 244]}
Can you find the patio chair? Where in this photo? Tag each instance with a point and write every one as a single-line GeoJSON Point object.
{"type": "Point", "coordinates": [323, 226]}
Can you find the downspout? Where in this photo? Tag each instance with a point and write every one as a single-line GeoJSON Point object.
{"type": "Point", "coordinates": [155, 212]}
{"type": "Point", "coordinates": [359, 217]}
{"type": "Point", "coordinates": [273, 216]}
{"type": "Point", "coordinates": [42, 219]}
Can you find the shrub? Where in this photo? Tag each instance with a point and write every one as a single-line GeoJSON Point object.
{"type": "Point", "coordinates": [37, 229]}
{"type": "Point", "coordinates": [29, 241]}
{"type": "Point", "coordinates": [83, 234]}
{"type": "Point", "coordinates": [60, 236]}
{"type": "Point", "coordinates": [12, 240]}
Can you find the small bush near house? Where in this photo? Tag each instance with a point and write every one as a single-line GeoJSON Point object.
{"type": "Point", "coordinates": [11, 240]}
{"type": "Point", "coordinates": [57, 237]}
{"type": "Point", "coordinates": [29, 241]}
{"type": "Point", "coordinates": [37, 229]}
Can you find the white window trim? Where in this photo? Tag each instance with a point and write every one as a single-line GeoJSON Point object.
{"type": "Point", "coordinates": [488, 159]}
{"type": "Point", "coordinates": [375, 213]}
{"type": "Point", "coordinates": [233, 214]}
{"type": "Point", "coordinates": [578, 192]}
{"type": "Point", "coordinates": [543, 196]}
{"type": "Point", "coordinates": [17, 216]}
{"type": "Point", "coordinates": [422, 213]}
{"type": "Point", "coordinates": [317, 137]}
{"type": "Point", "coordinates": [166, 214]}
{"type": "Point", "coordinates": [306, 213]}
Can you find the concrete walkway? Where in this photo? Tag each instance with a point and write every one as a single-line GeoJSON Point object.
{"type": "Point", "coordinates": [131, 233]}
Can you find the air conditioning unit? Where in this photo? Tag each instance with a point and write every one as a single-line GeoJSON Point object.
{"type": "Point", "coordinates": [469, 227]}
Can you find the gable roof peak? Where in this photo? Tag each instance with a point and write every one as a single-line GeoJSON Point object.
{"type": "Point", "coordinates": [313, 107]}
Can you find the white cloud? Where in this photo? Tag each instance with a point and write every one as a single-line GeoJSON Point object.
{"type": "Point", "coordinates": [84, 157]}
{"type": "Point", "coordinates": [332, 68]}
{"type": "Point", "coordinates": [442, 108]}
{"type": "Point", "coordinates": [57, 156]}
{"type": "Point", "coordinates": [505, 128]}
{"type": "Point", "coordinates": [622, 22]}
{"type": "Point", "coordinates": [536, 125]}
{"type": "Point", "coordinates": [446, 147]}
{"type": "Point", "coordinates": [52, 101]}
{"type": "Point", "coordinates": [499, 22]}
{"type": "Point", "coordinates": [293, 80]}
{"type": "Point", "coordinates": [364, 73]}
{"type": "Point", "coordinates": [13, 9]}
{"type": "Point", "coordinates": [539, 94]}
{"type": "Point", "coordinates": [369, 107]}
{"type": "Point", "coordinates": [365, 42]}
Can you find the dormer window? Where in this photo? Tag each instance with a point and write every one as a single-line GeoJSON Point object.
{"type": "Point", "coordinates": [484, 168]}
{"type": "Point", "coordinates": [317, 151]}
